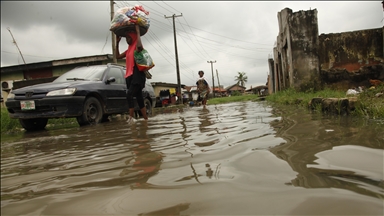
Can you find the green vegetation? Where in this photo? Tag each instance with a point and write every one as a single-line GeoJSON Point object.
{"type": "Point", "coordinates": [9, 125]}
{"type": "Point", "coordinates": [291, 96]}
{"type": "Point", "coordinates": [368, 104]}
{"type": "Point", "coordinates": [220, 100]}
{"type": "Point", "coordinates": [241, 78]}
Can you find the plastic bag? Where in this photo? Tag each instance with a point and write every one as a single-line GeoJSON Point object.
{"type": "Point", "coordinates": [143, 60]}
{"type": "Point", "coordinates": [125, 19]}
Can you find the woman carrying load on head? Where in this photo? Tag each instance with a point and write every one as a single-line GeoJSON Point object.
{"type": "Point", "coordinates": [134, 78]}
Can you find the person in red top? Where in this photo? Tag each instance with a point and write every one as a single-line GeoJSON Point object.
{"type": "Point", "coordinates": [134, 78]}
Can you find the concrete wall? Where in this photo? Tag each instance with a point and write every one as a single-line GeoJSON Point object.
{"type": "Point", "coordinates": [304, 71]}
{"type": "Point", "coordinates": [296, 52]}
{"type": "Point", "coordinates": [350, 59]}
{"type": "Point", "coordinates": [305, 60]}
{"type": "Point", "coordinates": [351, 50]}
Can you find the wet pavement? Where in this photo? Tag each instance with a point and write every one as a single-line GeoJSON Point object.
{"type": "Point", "coordinates": [242, 158]}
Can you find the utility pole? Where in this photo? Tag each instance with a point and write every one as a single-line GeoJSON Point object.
{"type": "Point", "coordinates": [113, 35]}
{"type": "Point", "coordinates": [218, 81]}
{"type": "Point", "coordinates": [213, 77]}
{"type": "Point", "coordinates": [14, 41]}
{"type": "Point", "coordinates": [177, 58]}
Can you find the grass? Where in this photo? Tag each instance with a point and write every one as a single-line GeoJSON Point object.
{"type": "Point", "coordinates": [368, 105]}
{"type": "Point", "coordinates": [10, 126]}
{"type": "Point", "coordinates": [220, 100]}
{"type": "Point", "coordinates": [293, 97]}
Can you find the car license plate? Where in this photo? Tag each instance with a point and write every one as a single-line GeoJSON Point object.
{"type": "Point", "coordinates": [27, 105]}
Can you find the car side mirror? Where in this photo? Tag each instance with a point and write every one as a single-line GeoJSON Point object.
{"type": "Point", "coordinates": [109, 80]}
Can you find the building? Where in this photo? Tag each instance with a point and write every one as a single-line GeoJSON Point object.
{"type": "Point", "coordinates": [166, 93]}
{"type": "Point", "coordinates": [295, 62]}
{"type": "Point", "coordinates": [235, 87]}
{"type": "Point", "coordinates": [304, 60]}
{"type": "Point", "coordinates": [259, 90]}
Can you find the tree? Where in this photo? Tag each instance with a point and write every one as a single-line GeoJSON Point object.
{"type": "Point", "coordinates": [241, 78]}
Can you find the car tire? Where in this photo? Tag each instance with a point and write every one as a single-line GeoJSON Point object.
{"type": "Point", "coordinates": [92, 112]}
{"type": "Point", "coordinates": [148, 106]}
{"type": "Point", "coordinates": [33, 124]}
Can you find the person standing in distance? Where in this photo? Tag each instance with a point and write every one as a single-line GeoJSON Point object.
{"type": "Point", "coordinates": [134, 78]}
{"type": "Point", "coordinates": [202, 88]}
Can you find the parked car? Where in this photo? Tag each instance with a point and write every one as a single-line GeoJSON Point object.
{"type": "Point", "coordinates": [88, 93]}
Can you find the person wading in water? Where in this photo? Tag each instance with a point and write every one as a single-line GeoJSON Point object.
{"type": "Point", "coordinates": [202, 88]}
{"type": "Point", "coordinates": [134, 78]}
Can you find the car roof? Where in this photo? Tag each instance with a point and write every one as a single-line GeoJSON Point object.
{"type": "Point", "coordinates": [103, 65]}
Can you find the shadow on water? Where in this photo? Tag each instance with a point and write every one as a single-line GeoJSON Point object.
{"type": "Point", "coordinates": [352, 141]}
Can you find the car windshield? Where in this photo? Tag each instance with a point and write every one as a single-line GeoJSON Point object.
{"type": "Point", "coordinates": [82, 73]}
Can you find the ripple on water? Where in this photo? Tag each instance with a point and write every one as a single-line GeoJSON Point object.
{"type": "Point", "coordinates": [205, 157]}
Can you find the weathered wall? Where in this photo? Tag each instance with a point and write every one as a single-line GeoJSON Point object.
{"type": "Point", "coordinates": [304, 46]}
{"type": "Point", "coordinates": [271, 85]}
{"type": "Point", "coordinates": [296, 52]}
{"type": "Point", "coordinates": [351, 50]}
{"type": "Point", "coordinates": [283, 48]}
{"type": "Point", "coordinates": [305, 60]}
{"type": "Point", "coordinates": [350, 59]}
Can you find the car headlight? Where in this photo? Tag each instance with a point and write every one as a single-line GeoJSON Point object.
{"type": "Point", "coordinates": [62, 92]}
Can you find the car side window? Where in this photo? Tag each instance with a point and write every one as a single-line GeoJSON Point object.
{"type": "Point", "coordinates": [116, 72]}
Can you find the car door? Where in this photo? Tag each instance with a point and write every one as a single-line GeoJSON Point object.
{"type": "Point", "coordinates": [115, 92]}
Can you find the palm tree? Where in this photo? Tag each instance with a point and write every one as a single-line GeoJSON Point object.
{"type": "Point", "coordinates": [241, 78]}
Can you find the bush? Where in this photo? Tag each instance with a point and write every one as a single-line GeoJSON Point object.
{"type": "Point", "coordinates": [8, 124]}
{"type": "Point", "coordinates": [236, 93]}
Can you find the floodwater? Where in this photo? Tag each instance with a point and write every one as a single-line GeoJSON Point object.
{"type": "Point", "coordinates": [242, 158]}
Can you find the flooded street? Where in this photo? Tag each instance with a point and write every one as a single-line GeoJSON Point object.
{"type": "Point", "coordinates": [240, 158]}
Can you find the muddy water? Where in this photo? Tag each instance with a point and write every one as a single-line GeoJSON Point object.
{"type": "Point", "coordinates": [232, 159]}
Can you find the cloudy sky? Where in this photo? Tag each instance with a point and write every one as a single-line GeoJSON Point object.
{"type": "Point", "coordinates": [239, 36]}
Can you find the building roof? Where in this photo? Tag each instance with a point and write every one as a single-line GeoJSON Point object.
{"type": "Point", "coordinates": [219, 89]}
{"type": "Point", "coordinates": [257, 88]}
{"type": "Point", "coordinates": [234, 86]}
{"type": "Point", "coordinates": [47, 64]}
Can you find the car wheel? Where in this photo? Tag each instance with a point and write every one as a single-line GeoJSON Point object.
{"type": "Point", "coordinates": [92, 112]}
{"type": "Point", "coordinates": [148, 106]}
{"type": "Point", "coordinates": [33, 124]}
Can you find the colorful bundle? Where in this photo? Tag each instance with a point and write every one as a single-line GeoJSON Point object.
{"type": "Point", "coordinates": [125, 19]}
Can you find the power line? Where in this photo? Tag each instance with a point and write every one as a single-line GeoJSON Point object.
{"type": "Point", "coordinates": [194, 36]}
{"type": "Point", "coordinates": [157, 13]}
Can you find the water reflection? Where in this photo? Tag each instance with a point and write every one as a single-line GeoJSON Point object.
{"type": "Point", "coordinates": [144, 162]}
{"type": "Point", "coordinates": [205, 120]}
{"type": "Point", "coordinates": [228, 159]}
{"type": "Point", "coordinates": [309, 135]}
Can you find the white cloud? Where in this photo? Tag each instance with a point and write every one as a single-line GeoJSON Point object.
{"type": "Point", "coordinates": [238, 35]}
